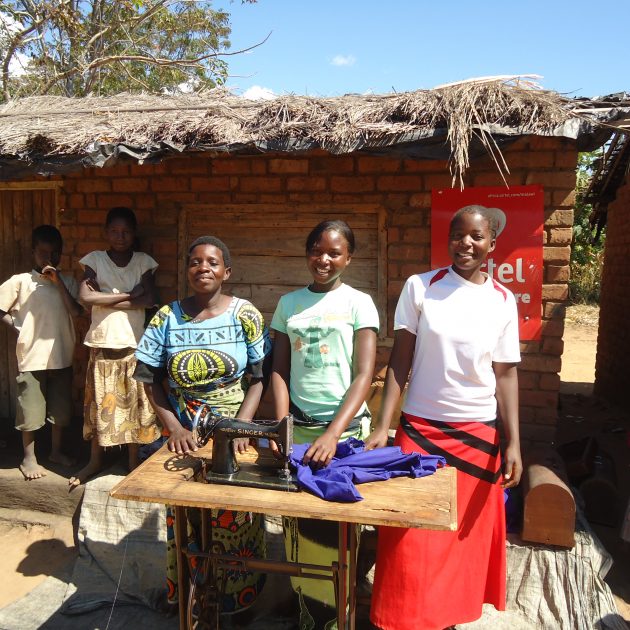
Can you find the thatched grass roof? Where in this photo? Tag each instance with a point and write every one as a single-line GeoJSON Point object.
{"type": "Point", "coordinates": [48, 129]}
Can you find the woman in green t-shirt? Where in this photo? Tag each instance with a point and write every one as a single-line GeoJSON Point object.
{"type": "Point", "coordinates": [323, 364]}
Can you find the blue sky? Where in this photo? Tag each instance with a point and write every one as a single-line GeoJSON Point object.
{"type": "Point", "coordinates": [330, 47]}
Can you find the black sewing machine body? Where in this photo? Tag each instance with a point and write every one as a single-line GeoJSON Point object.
{"type": "Point", "coordinates": [267, 472]}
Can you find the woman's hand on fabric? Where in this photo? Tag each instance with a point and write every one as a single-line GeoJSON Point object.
{"type": "Point", "coordinates": [512, 467]}
{"type": "Point", "coordinates": [181, 441]}
{"type": "Point", "coordinates": [376, 439]}
{"type": "Point", "coordinates": [240, 445]}
{"type": "Point", "coordinates": [322, 450]}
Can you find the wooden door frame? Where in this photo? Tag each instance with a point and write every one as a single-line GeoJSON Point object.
{"type": "Point", "coordinates": [26, 186]}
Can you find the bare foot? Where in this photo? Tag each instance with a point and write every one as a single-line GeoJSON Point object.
{"type": "Point", "coordinates": [84, 474]}
{"type": "Point", "coordinates": [31, 469]}
{"type": "Point", "coordinates": [60, 458]}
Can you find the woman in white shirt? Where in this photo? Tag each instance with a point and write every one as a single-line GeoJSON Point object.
{"type": "Point", "coordinates": [456, 330]}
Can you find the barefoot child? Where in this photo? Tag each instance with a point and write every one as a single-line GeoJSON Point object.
{"type": "Point", "coordinates": [118, 286]}
{"type": "Point", "coordinates": [39, 306]}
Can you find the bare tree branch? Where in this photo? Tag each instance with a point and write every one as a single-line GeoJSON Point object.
{"type": "Point", "coordinates": [154, 44]}
{"type": "Point", "coordinates": [156, 61]}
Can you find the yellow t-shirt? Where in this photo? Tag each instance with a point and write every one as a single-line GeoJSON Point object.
{"type": "Point", "coordinates": [46, 332]}
{"type": "Point", "coordinates": [111, 327]}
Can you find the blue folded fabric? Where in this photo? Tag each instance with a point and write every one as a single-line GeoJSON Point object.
{"type": "Point", "coordinates": [353, 465]}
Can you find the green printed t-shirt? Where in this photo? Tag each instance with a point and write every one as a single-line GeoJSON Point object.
{"type": "Point", "coordinates": [321, 328]}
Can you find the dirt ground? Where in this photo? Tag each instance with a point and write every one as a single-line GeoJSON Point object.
{"type": "Point", "coordinates": [35, 545]}
{"type": "Point", "coordinates": [580, 346]}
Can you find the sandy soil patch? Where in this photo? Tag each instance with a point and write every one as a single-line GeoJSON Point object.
{"type": "Point", "coordinates": [34, 546]}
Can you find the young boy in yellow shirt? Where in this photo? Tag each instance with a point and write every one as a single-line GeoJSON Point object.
{"type": "Point", "coordinates": [39, 306]}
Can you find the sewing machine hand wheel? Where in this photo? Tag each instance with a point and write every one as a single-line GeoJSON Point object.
{"type": "Point", "coordinates": [204, 422]}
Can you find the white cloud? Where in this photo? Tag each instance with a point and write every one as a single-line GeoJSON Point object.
{"type": "Point", "coordinates": [8, 27]}
{"type": "Point", "coordinates": [258, 93]}
{"type": "Point", "coordinates": [17, 66]}
{"type": "Point", "coordinates": [343, 60]}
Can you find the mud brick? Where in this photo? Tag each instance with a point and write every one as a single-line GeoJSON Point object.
{"type": "Point", "coordinates": [550, 382]}
{"type": "Point", "coordinates": [260, 184]}
{"type": "Point", "coordinates": [378, 165]}
{"type": "Point", "coordinates": [284, 166]}
{"type": "Point", "coordinates": [210, 183]}
{"type": "Point", "coordinates": [332, 165]}
{"type": "Point", "coordinates": [231, 167]}
{"type": "Point", "coordinates": [529, 159]}
{"type": "Point", "coordinates": [420, 200]}
{"type": "Point", "coordinates": [425, 166]}
{"type": "Point", "coordinates": [555, 292]}
{"type": "Point", "coordinates": [306, 183]}
{"type": "Point", "coordinates": [130, 184]}
{"type": "Point", "coordinates": [93, 185]}
{"type": "Point", "coordinates": [560, 236]}
{"type": "Point", "coordinates": [351, 184]}
{"type": "Point", "coordinates": [557, 254]}
{"type": "Point", "coordinates": [558, 273]}
{"type": "Point", "coordinates": [559, 218]}
{"type": "Point", "coordinates": [564, 197]}
{"type": "Point", "coordinates": [400, 182]}
{"type": "Point", "coordinates": [553, 345]}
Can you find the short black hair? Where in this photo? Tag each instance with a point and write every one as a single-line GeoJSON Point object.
{"type": "Point", "coordinates": [124, 213]}
{"type": "Point", "coordinates": [216, 242]}
{"type": "Point", "coordinates": [326, 226]}
{"type": "Point", "coordinates": [493, 224]}
{"type": "Point", "coordinates": [47, 234]}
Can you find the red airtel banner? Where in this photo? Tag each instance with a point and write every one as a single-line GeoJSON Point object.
{"type": "Point", "coordinates": [517, 261]}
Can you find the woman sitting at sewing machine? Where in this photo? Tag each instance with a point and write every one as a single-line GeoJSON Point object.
{"type": "Point", "coordinates": [324, 353]}
{"type": "Point", "coordinates": [212, 349]}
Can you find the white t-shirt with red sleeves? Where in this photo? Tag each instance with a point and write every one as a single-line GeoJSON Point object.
{"type": "Point", "coordinates": [461, 328]}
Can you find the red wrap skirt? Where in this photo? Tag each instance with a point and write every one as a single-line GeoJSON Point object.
{"type": "Point", "coordinates": [434, 579]}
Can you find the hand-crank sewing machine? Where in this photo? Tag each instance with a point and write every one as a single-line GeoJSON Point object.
{"type": "Point", "coordinates": [269, 474]}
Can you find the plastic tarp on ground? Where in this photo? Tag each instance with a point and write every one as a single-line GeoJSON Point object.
{"type": "Point", "coordinates": [117, 579]}
{"type": "Point", "coordinates": [122, 551]}
{"type": "Point", "coordinates": [550, 587]}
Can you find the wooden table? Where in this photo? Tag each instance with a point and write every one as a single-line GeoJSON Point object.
{"type": "Point", "coordinates": [426, 503]}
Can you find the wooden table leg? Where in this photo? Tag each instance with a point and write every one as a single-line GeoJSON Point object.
{"type": "Point", "coordinates": [352, 576]}
{"type": "Point", "coordinates": [183, 575]}
{"type": "Point", "coordinates": [342, 576]}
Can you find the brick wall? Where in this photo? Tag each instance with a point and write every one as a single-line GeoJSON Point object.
{"type": "Point", "coordinates": [613, 339]}
{"type": "Point", "coordinates": [402, 187]}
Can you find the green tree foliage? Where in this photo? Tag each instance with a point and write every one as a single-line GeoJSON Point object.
{"type": "Point", "coordinates": [81, 47]}
{"type": "Point", "coordinates": [587, 253]}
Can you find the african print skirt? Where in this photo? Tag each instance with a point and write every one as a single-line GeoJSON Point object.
{"type": "Point", "coordinates": [231, 532]}
{"type": "Point", "coordinates": [116, 410]}
{"type": "Point", "coordinates": [435, 579]}
{"type": "Point", "coordinates": [313, 541]}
